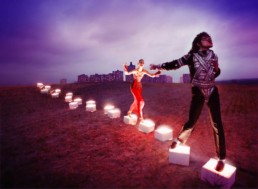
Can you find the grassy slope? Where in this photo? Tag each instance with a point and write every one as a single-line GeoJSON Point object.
{"type": "Point", "coordinates": [44, 144]}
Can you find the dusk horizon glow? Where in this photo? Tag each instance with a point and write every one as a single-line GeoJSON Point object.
{"type": "Point", "coordinates": [48, 40]}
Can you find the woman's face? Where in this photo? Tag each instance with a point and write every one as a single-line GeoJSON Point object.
{"type": "Point", "coordinates": [141, 63]}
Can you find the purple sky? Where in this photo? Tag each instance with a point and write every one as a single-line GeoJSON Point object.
{"type": "Point", "coordinates": [46, 40]}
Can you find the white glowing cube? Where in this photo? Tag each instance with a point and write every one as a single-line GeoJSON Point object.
{"type": "Point", "coordinates": [107, 108]}
{"type": "Point", "coordinates": [40, 85]}
{"type": "Point", "coordinates": [78, 100]}
{"type": "Point", "coordinates": [163, 133]}
{"type": "Point", "coordinates": [55, 95]}
{"type": "Point", "coordinates": [44, 91]}
{"type": "Point", "coordinates": [146, 126]}
{"type": "Point", "coordinates": [69, 94]}
{"type": "Point", "coordinates": [58, 90]}
{"type": "Point", "coordinates": [48, 87]}
{"type": "Point", "coordinates": [114, 113]}
{"type": "Point", "coordinates": [73, 105]}
{"type": "Point", "coordinates": [130, 120]}
{"type": "Point", "coordinates": [68, 98]}
{"type": "Point", "coordinates": [90, 102]}
{"type": "Point", "coordinates": [180, 155]}
{"type": "Point", "coordinates": [224, 179]}
{"type": "Point", "coordinates": [91, 107]}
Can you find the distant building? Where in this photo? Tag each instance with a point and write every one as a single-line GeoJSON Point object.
{"type": "Point", "coordinates": [129, 78]}
{"type": "Point", "coordinates": [63, 81]}
{"type": "Point", "coordinates": [118, 75]}
{"type": "Point", "coordinates": [83, 78]}
{"type": "Point", "coordinates": [186, 78]}
{"type": "Point", "coordinates": [111, 77]}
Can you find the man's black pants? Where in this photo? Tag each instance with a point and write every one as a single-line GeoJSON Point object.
{"type": "Point", "coordinates": [215, 116]}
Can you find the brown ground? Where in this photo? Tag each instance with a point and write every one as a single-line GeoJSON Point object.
{"type": "Point", "coordinates": [46, 145]}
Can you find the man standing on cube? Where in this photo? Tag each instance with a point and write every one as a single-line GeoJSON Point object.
{"type": "Point", "coordinates": [203, 66]}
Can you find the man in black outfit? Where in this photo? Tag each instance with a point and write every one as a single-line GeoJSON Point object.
{"type": "Point", "coordinates": [203, 66]}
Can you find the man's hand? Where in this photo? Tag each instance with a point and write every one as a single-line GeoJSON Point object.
{"type": "Point", "coordinates": [215, 65]}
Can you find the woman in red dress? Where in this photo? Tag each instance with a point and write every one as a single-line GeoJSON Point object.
{"type": "Point", "coordinates": [136, 87]}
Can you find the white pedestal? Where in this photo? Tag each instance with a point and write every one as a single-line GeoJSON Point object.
{"type": "Point", "coordinates": [48, 87]}
{"type": "Point", "coordinates": [130, 120]}
{"type": "Point", "coordinates": [146, 126]}
{"type": "Point", "coordinates": [40, 85]}
{"type": "Point", "coordinates": [78, 100]}
{"type": "Point", "coordinates": [55, 95]}
{"type": "Point", "coordinates": [115, 113]}
{"type": "Point", "coordinates": [163, 133]}
{"type": "Point", "coordinates": [68, 99]}
{"type": "Point", "coordinates": [73, 105]}
{"type": "Point", "coordinates": [91, 107]}
{"type": "Point", "coordinates": [69, 94]}
{"type": "Point", "coordinates": [58, 90]}
{"type": "Point", "coordinates": [224, 179]}
{"type": "Point", "coordinates": [44, 91]}
{"type": "Point", "coordinates": [107, 108]}
{"type": "Point", "coordinates": [180, 155]}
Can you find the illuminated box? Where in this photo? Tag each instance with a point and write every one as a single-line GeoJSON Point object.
{"type": "Point", "coordinates": [68, 99]}
{"type": "Point", "coordinates": [69, 94]}
{"type": "Point", "coordinates": [146, 126]}
{"type": "Point", "coordinates": [58, 90]}
{"type": "Point", "coordinates": [40, 85]}
{"type": "Point", "coordinates": [180, 155]}
{"type": "Point", "coordinates": [90, 102]}
{"type": "Point", "coordinates": [130, 120]}
{"type": "Point", "coordinates": [48, 87]}
{"type": "Point", "coordinates": [55, 95]}
{"type": "Point", "coordinates": [224, 179]}
{"type": "Point", "coordinates": [91, 107]}
{"type": "Point", "coordinates": [73, 105]}
{"type": "Point", "coordinates": [44, 91]}
{"type": "Point", "coordinates": [107, 108]}
{"type": "Point", "coordinates": [163, 133]}
{"type": "Point", "coordinates": [78, 100]}
{"type": "Point", "coordinates": [114, 113]}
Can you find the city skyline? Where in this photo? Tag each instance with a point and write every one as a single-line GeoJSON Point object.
{"type": "Point", "coordinates": [46, 40]}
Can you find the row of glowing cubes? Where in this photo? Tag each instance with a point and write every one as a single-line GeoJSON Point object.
{"type": "Point", "coordinates": [179, 155]}
{"type": "Point", "coordinates": [112, 111]}
{"type": "Point", "coordinates": [45, 89]}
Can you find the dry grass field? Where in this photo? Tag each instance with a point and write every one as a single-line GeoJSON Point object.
{"type": "Point", "coordinates": [46, 145]}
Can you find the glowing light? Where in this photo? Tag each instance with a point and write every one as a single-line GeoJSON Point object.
{"type": "Point", "coordinates": [147, 126]}
{"type": "Point", "coordinates": [69, 94]}
{"type": "Point", "coordinates": [91, 107]}
{"type": "Point", "coordinates": [225, 178]}
{"type": "Point", "coordinates": [44, 91]}
{"type": "Point", "coordinates": [130, 120]}
{"type": "Point", "coordinates": [114, 113]}
{"type": "Point", "coordinates": [78, 100]}
{"type": "Point", "coordinates": [107, 108]}
{"type": "Point", "coordinates": [40, 85]}
{"type": "Point", "coordinates": [48, 87]}
{"type": "Point", "coordinates": [180, 155]}
{"type": "Point", "coordinates": [55, 95]}
{"type": "Point", "coordinates": [68, 99]}
{"type": "Point", "coordinates": [73, 105]}
{"type": "Point", "coordinates": [90, 102]}
{"type": "Point", "coordinates": [163, 133]}
{"type": "Point", "coordinates": [58, 90]}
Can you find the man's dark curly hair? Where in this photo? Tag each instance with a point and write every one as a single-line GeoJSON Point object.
{"type": "Point", "coordinates": [197, 39]}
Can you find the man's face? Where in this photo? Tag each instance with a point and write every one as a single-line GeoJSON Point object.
{"type": "Point", "coordinates": [206, 42]}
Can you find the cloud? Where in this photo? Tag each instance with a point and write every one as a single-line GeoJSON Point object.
{"type": "Point", "coordinates": [75, 37]}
